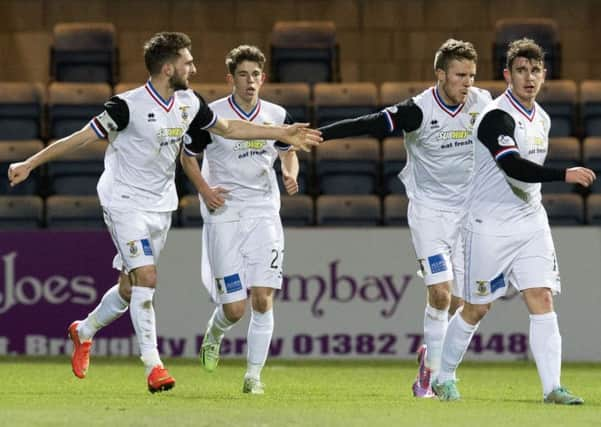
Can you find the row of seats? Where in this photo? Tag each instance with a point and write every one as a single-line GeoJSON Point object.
{"type": "Point", "coordinates": [31, 111]}
{"type": "Point", "coordinates": [344, 166]}
{"type": "Point", "coordinates": [70, 212]}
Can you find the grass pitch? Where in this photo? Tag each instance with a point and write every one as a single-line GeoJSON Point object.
{"type": "Point", "coordinates": [43, 392]}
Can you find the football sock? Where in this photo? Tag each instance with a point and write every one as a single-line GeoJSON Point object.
{"type": "Point", "coordinates": [143, 319]}
{"type": "Point", "coordinates": [545, 344]}
{"type": "Point", "coordinates": [435, 327]}
{"type": "Point", "coordinates": [260, 330]}
{"type": "Point", "coordinates": [456, 341]}
{"type": "Point", "coordinates": [111, 307]}
{"type": "Point", "coordinates": [218, 325]}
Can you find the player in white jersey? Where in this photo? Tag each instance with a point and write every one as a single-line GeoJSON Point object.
{"type": "Point", "coordinates": [243, 240]}
{"type": "Point", "coordinates": [146, 128]}
{"type": "Point", "coordinates": [508, 239]}
{"type": "Point", "coordinates": [437, 126]}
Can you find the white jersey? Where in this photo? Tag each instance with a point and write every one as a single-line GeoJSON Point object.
{"type": "Point", "coordinates": [440, 152]}
{"type": "Point", "coordinates": [244, 168]}
{"type": "Point", "coordinates": [500, 205]}
{"type": "Point", "coordinates": [145, 133]}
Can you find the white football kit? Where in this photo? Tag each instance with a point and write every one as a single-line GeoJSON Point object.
{"type": "Point", "coordinates": [508, 238]}
{"type": "Point", "coordinates": [137, 188]}
{"type": "Point", "coordinates": [436, 178]}
{"type": "Point", "coordinates": [243, 241]}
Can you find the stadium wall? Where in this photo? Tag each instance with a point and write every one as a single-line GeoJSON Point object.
{"type": "Point", "coordinates": [380, 40]}
{"type": "Point", "coordinates": [347, 293]}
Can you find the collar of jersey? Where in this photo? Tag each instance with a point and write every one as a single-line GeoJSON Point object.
{"type": "Point", "coordinates": [250, 116]}
{"type": "Point", "coordinates": [529, 114]}
{"type": "Point", "coordinates": [451, 110]}
{"type": "Point", "coordinates": [166, 105]}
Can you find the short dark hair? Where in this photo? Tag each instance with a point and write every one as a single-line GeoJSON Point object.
{"type": "Point", "coordinates": [243, 53]}
{"type": "Point", "coordinates": [454, 49]}
{"type": "Point", "coordinates": [163, 48]}
{"type": "Point", "coordinates": [526, 48]}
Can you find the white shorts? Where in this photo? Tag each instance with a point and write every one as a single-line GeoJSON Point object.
{"type": "Point", "coordinates": [139, 236]}
{"type": "Point", "coordinates": [493, 262]}
{"type": "Point", "coordinates": [438, 244]}
{"type": "Point", "coordinates": [242, 254]}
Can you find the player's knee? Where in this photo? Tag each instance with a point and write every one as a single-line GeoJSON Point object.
{"type": "Point", "coordinates": [234, 311]}
{"type": "Point", "coordinates": [145, 276]}
{"type": "Point", "coordinates": [262, 299]}
{"type": "Point", "coordinates": [439, 296]}
{"type": "Point", "coordinates": [473, 313]}
{"type": "Point", "coordinates": [541, 298]}
{"type": "Point", "coordinates": [124, 287]}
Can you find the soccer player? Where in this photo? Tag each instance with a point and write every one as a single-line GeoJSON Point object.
{"type": "Point", "coordinates": [243, 240]}
{"type": "Point", "coordinates": [508, 239]}
{"type": "Point", "coordinates": [145, 127]}
{"type": "Point", "coordinates": [437, 126]}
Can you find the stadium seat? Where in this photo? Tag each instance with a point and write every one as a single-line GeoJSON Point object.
{"type": "Point", "coordinates": [73, 212]}
{"type": "Point", "coordinates": [348, 166]}
{"type": "Point", "coordinates": [591, 156]}
{"type": "Point", "coordinates": [294, 97]}
{"type": "Point", "coordinates": [84, 52]}
{"type": "Point", "coordinates": [189, 207]}
{"type": "Point", "coordinates": [559, 99]}
{"type": "Point", "coordinates": [21, 212]}
{"type": "Point", "coordinates": [304, 51]}
{"type": "Point", "coordinates": [297, 210]}
{"type": "Point", "coordinates": [72, 105]}
{"type": "Point", "coordinates": [212, 92]}
{"type": "Point", "coordinates": [21, 110]}
{"type": "Point", "coordinates": [124, 87]}
{"type": "Point", "coordinates": [544, 31]}
{"type": "Point", "coordinates": [348, 210]}
{"type": "Point", "coordinates": [395, 210]}
{"type": "Point", "coordinates": [394, 92]}
{"type": "Point", "coordinates": [77, 173]}
{"type": "Point", "coordinates": [338, 101]}
{"type": "Point", "coordinates": [495, 87]}
{"type": "Point", "coordinates": [394, 157]}
{"type": "Point", "coordinates": [593, 209]}
{"type": "Point", "coordinates": [590, 107]}
{"type": "Point", "coordinates": [563, 153]}
{"type": "Point", "coordinates": [564, 209]}
{"type": "Point", "coordinates": [17, 151]}
{"type": "Point", "coordinates": [305, 173]}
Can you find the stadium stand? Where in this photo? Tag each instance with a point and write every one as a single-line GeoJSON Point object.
{"type": "Point", "coordinates": [73, 212]}
{"type": "Point", "coordinates": [212, 91]}
{"type": "Point", "coordinates": [593, 209]}
{"type": "Point", "coordinates": [564, 209]}
{"type": "Point", "coordinates": [559, 99]}
{"type": "Point", "coordinates": [591, 156]}
{"type": "Point", "coordinates": [305, 173]}
{"type": "Point", "coordinates": [21, 108]}
{"type": "Point", "coordinates": [337, 101]}
{"type": "Point", "coordinates": [297, 210]}
{"type": "Point", "coordinates": [21, 212]}
{"type": "Point", "coordinates": [16, 151]}
{"type": "Point", "coordinates": [395, 210]}
{"type": "Point", "coordinates": [295, 97]}
{"type": "Point", "coordinates": [590, 107]}
{"type": "Point", "coordinates": [394, 158]}
{"type": "Point", "coordinates": [348, 210]}
{"type": "Point", "coordinates": [84, 52]}
{"type": "Point", "coordinates": [304, 51]}
{"type": "Point", "coordinates": [563, 153]}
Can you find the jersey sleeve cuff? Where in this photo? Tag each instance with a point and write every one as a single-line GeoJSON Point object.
{"type": "Point", "coordinates": [98, 129]}
{"type": "Point", "coordinates": [212, 122]}
{"type": "Point", "coordinates": [505, 152]}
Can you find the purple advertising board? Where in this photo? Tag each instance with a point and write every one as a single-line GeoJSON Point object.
{"type": "Point", "coordinates": [47, 280]}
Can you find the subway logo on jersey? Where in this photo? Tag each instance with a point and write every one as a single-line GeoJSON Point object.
{"type": "Point", "coordinates": [254, 144]}
{"type": "Point", "coordinates": [166, 136]}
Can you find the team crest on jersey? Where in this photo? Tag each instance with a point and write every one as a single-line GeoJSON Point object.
{"type": "Point", "coordinates": [481, 287]}
{"type": "Point", "coordinates": [473, 118]}
{"type": "Point", "coordinates": [184, 110]}
{"type": "Point", "coordinates": [133, 248]}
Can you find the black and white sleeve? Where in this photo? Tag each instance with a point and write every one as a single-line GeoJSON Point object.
{"type": "Point", "coordinates": [497, 132]}
{"type": "Point", "coordinates": [405, 116]}
{"type": "Point", "coordinates": [282, 146]}
{"type": "Point", "coordinates": [196, 137]}
{"type": "Point", "coordinates": [114, 118]}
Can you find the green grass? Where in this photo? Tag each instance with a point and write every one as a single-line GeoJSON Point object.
{"type": "Point", "coordinates": [43, 392]}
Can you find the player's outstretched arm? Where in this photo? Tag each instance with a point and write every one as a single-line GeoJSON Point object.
{"type": "Point", "coordinates": [289, 161]}
{"type": "Point", "coordinates": [580, 175]}
{"type": "Point", "coordinates": [18, 172]}
{"type": "Point", "coordinates": [298, 134]}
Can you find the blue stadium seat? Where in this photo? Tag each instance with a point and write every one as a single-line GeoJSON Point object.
{"type": "Point", "coordinates": [21, 212]}
{"type": "Point", "coordinates": [294, 97]}
{"type": "Point", "coordinates": [564, 209]}
{"type": "Point", "coordinates": [563, 153]}
{"type": "Point", "coordinates": [593, 209]}
{"type": "Point", "coordinates": [72, 105]}
{"type": "Point", "coordinates": [304, 51]}
{"type": "Point", "coordinates": [21, 110]}
{"type": "Point", "coordinates": [348, 166]}
{"type": "Point", "coordinates": [84, 52]}
{"type": "Point", "coordinates": [350, 211]}
{"type": "Point", "coordinates": [337, 101]}
{"type": "Point", "coordinates": [590, 107]}
{"type": "Point", "coordinates": [297, 210]}
{"type": "Point", "coordinates": [73, 212]}
{"type": "Point", "coordinates": [394, 158]}
{"type": "Point", "coordinates": [559, 99]}
{"type": "Point", "coordinates": [17, 151]}
{"type": "Point", "coordinates": [395, 210]}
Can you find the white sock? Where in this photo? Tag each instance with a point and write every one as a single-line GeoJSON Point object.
{"type": "Point", "coordinates": [260, 330]}
{"type": "Point", "coordinates": [545, 344]}
{"type": "Point", "coordinates": [218, 325]}
{"type": "Point", "coordinates": [144, 321]}
{"type": "Point", "coordinates": [456, 341]}
{"type": "Point", "coordinates": [435, 328]}
{"type": "Point", "coordinates": [111, 307]}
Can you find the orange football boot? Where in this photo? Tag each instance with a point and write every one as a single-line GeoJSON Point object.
{"type": "Point", "coordinates": [160, 380]}
{"type": "Point", "coordinates": [80, 358]}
